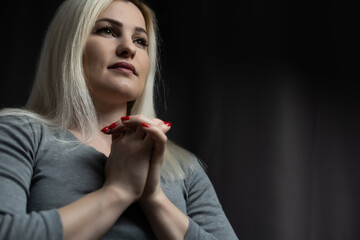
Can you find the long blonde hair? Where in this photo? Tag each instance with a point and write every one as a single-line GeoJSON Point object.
{"type": "Point", "coordinates": [60, 96]}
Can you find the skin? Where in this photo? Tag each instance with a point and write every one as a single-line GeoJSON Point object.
{"type": "Point", "coordinates": [135, 145]}
{"type": "Point", "coordinates": [110, 43]}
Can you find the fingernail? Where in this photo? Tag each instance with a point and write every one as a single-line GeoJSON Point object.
{"type": "Point", "coordinates": [125, 118]}
{"type": "Point", "coordinates": [105, 129]}
{"type": "Point", "coordinates": [145, 125]}
{"type": "Point", "coordinates": [167, 123]}
{"type": "Point", "coordinates": [113, 125]}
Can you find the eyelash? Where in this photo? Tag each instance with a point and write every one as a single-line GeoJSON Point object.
{"type": "Point", "coordinates": [107, 31]}
{"type": "Point", "coordinates": [142, 41]}
{"type": "Point", "coordinates": [110, 31]}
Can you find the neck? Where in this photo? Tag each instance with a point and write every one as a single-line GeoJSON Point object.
{"type": "Point", "coordinates": [106, 116]}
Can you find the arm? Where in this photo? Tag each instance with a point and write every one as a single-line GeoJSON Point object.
{"type": "Point", "coordinates": [207, 218]}
{"type": "Point", "coordinates": [87, 218]}
{"type": "Point", "coordinates": [92, 215]}
{"type": "Point", "coordinates": [17, 149]}
{"type": "Point", "coordinates": [165, 219]}
{"type": "Point", "coordinates": [126, 173]}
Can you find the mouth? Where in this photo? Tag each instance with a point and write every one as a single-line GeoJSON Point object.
{"type": "Point", "coordinates": [124, 67]}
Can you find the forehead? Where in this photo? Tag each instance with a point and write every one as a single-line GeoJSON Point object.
{"type": "Point", "coordinates": [125, 12]}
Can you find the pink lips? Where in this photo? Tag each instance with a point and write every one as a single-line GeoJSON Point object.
{"type": "Point", "coordinates": [124, 67]}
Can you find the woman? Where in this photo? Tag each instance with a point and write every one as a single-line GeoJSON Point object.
{"type": "Point", "coordinates": [61, 177]}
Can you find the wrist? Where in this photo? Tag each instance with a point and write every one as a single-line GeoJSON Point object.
{"type": "Point", "coordinates": [153, 200]}
{"type": "Point", "coordinates": [117, 196]}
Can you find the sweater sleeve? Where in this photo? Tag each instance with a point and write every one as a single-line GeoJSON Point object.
{"type": "Point", "coordinates": [18, 145]}
{"type": "Point", "coordinates": [207, 218]}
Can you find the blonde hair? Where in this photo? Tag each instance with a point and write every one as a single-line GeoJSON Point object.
{"type": "Point", "coordinates": [60, 96]}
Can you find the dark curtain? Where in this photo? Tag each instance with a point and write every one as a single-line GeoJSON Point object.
{"type": "Point", "coordinates": [264, 92]}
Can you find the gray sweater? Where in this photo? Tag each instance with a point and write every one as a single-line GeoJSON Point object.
{"type": "Point", "coordinates": [40, 173]}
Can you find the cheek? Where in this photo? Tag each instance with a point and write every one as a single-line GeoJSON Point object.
{"type": "Point", "coordinates": [93, 58]}
{"type": "Point", "coordinates": [145, 66]}
{"type": "Point", "coordinates": [87, 62]}
{"type": "Point", "coordinates": [145, 70]}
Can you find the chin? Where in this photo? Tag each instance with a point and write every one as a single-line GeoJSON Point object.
{"type": "Point", "coordinates": [129, 92]}
{"type": "Point", "coordinates": [128, 96]}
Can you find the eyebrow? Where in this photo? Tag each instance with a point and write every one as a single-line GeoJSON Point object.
{"type": "Point", "coordinates": [120, 24]}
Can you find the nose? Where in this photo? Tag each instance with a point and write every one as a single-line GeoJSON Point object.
{"type": "Point", "coordinates": [126, 48]}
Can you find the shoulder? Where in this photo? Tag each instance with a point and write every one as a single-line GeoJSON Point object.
{"type": "Point", "coordinates": [19, 140]}
{"type": "Point", "coordinates": [26, 119]}
{"type": "Point", "coordinates": [196, 175]}
{"type": "Point", "coordinates": [21, 129]}
{"type": "Point", "coordinates": [17, 123]}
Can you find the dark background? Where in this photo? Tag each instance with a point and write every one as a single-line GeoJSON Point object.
{"type": "Point", "coordinates": [264, 92]}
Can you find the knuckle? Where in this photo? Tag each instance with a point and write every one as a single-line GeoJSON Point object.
{"type": "Point", "coordinates": [164, 139]}
{"type": "Point", "coordinates": [157, 121]}
{"type": "Point", "coordinates": [140, 116]}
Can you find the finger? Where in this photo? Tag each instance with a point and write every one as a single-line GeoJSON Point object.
{"type": "Point", "coordinates": [115, 127]}
{"type": "Point", "coordinates": [139, 133]}
{"type": "Point", "coordinates": [163, 125]}
{"type": "Point", "coordinates": [157, 135]}
{"type": "Point", "coordinates": [136, 120]}
{"type": "Point", "coordinates": [157, 139]}
{"type": "Point", "coordinates": [116, 136]}
{"type": "Point", "coordinates": [121, 133]}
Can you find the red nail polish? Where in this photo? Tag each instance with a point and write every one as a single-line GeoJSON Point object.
{"type": "Point", "coordinates": [145, 125]}
{"type": "Point", "coordinates": [105, 129]}
{"type": "Point", "coordinates": [125, 118]}
{"type": "Point", "coordinates": [113, 125]}
{"type": "Point", "coordinates": [167, 123]}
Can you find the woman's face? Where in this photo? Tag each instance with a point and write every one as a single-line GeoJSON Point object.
{"type": "Point", "coordinates": [116, 60]}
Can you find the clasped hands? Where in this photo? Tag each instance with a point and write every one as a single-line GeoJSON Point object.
{"type": "Point", "coordinates": [136, 157]}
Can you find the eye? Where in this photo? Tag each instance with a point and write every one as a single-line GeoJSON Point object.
{"type": "Point", "coordinates": [141, 41]}
{"type": "Point", "coordinates": [106, 31]}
